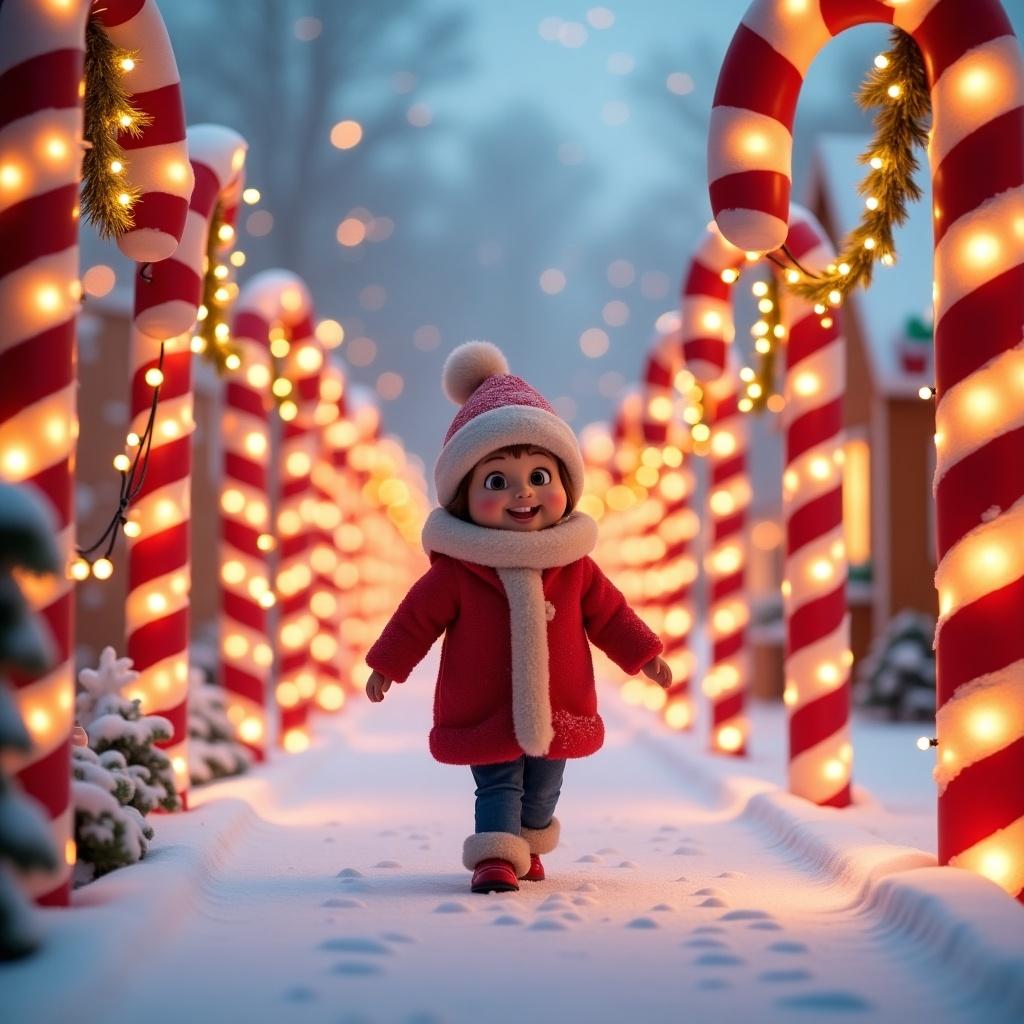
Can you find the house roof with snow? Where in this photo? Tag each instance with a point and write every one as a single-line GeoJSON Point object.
{"type": "Point", "coordinates": [897, 294]}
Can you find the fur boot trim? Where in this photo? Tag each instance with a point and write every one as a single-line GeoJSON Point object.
{"type": "Point", "coordinates": [543, 840]}
{"type": "Point", "coordinates": [505, 845]}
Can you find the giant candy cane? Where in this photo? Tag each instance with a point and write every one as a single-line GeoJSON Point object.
{"type": "Point", "coordinates": [41, 63]}
{"type": "Point", "coordinates": [166, 303]}
{"type": "Point", "coordinates": [678, 525]}
{"type": "Point", "coordinates": [817, 624]}
{"type": "Point", "coordinates": [976, 154]}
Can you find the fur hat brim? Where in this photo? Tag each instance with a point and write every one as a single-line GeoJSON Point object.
{"type": "Point", "coordinates": [499, 428]}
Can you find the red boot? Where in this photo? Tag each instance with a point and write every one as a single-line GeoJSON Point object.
{"type": "Point", "coordinates": [494, 875]}
{"type": "Point", "coordinates": [536, 872]}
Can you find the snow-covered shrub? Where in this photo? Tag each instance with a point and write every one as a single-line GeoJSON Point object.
{"type": "Point", "coordinates": [212, 750]}
{"type": "Point", "coordinates": [26, 842]}
{"type": "Point", "coordinates": [109, 831]}
{"type": "Point", "coordinates": [115, 723]}
{"type": "Point", "coordinates": [898, 673]}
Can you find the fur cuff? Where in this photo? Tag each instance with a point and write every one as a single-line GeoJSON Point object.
{"type": "Point", "coordinates": [543, 840]}
{"type": "Point", "coordinates": [504, 845]}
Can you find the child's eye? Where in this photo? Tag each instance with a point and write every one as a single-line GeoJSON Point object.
{"type": "Point", "coordinates": [495, 482]}
{"type": "Point", "coordinates": [540, 477]}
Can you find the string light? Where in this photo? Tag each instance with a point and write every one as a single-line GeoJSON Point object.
{"type": "Point", "coordinates": [897, 89]}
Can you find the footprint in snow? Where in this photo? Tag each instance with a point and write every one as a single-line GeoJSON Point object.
{"type": "Point", "coordinates": [628, 864]}
{"type": "Point", "coordinates": [662, 908]}
{"type": "Point", "coordinates": [703, 943]}
{"type": "Point", "coordinates": [824, 1002]}
{"type": "Point", "coordinates": [349, 903]}
{"type": "Point", "coordinates": [731, 874]}
{"type": "Point", "coordinates": [584, 901]}
{"type": "Point", "coordinates": [342, 944]}
{"type": "Point", "coordinates": [708, 891]}
{"type": "Point", "coordinates": [746, 915]}
{"type": "Point", "coordinates": [687, 851]}
{"type": "Point", "coordinates": [716, 959]}
{"type": "Point", "coordinates": [355, 968]}
{"type": "Point", "coordinates": [451, 907]}
{"type": "Point", "coordinates": [507, 920]}
{"type": "Point", "coordinates": [350, 873]}
{"type": "Point", "coordinates": [766, 926]}
{"type": "Point", "coordinates": [555, 897]}
{"type": "Point", "coordinates": [300, 994]}
{"type": "Point", "coordinates": [388, 832]}
{"type": "Point", "coordinates": [589, 858]}
{"type": "Point", "coordinates": [548, 924]}
{"type": "Point", "coordinates": [570, 915]}
{"type": "Point", "coordinates": [387, 864]}
{"type": "Point", "coordinates": [642, 923]}
{"type": "Point", "coordinates": [708, 929]}
{"type": "Point", "coordinates": [787, 947]}
{"type": "Point", "coordinates": [711, 984]}
{"type": "Point", "coordinates": [712, 901]}
{"type": "Point", "coordinates": [397, 937]}
{"type": "Point", "coordinates": [796, 974]}
{"type": "Point", "coordinates": [668, 828]}
{"type": "Point", "coordinates": [417, 835]}
{"type": "Point", "coordinates": [586, 887]}
{"type": "Point", "coordinates": [608, 851]}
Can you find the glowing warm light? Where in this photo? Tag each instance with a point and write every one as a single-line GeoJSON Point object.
{"type": "Point", "coordinates": [103, 568]}
{"type": "Point", "coordinates": [729, 275]}
{"type": "Point", "coordinates": [678, 714]}
{"type": "Point", "coordinates": [712, 321]}
{"type": "Point", "coordinates": [806, 383]}
{"type": "Point", "coordinates": [828, 673]}
{"type": "Point", "coordinates": [983, 248]}
{"type": "Point", "coordinates": [923, 743]}
{"type": "Point", "coordinates": [351, 232]}
{"type": "Point", "coordinates": [232, 571]}
{"type": "Point", "coordinates": [755, 143]}
{"type": "Point", "coordinates": [154, 377]}
{"type": "Point", "coordinates": [986, 724]}
{"type": "Point", "coordinates": [995, 865]}
{"type": "Point", "coordinates": [834, 769]}
{"type": "Point", "coordinates": [729, 737]}
{"type": "Point", "coordinates": [80, 569]}
{"type": "Point", "coordinates": [723, 443]}
{"type": "Point", "coordinates": [11, 176]}
{"type": "Point", "coordinates": [821, 569]}
{"type": "Point", "coordinates": [789, 696]}
{"type": "Point", "coordinates": [330, 333]}
{"type": "Point", "coordinates": [295, 741]}
{"type": "Point", "coordinates": [722, 503]}
{"type": "Point", "coordinates": [156, 603]}
{"type": "Point", "coordinates": [819, 468]}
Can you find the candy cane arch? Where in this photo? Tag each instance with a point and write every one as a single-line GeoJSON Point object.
{"type": "Point", "coordinates": [678, 525]}
{"type": "Point", "coordinates": [975, 74]}
{"type": "Point", "coordinates": [166, 303]}
{"type": "Point", "coordinates": [41, 66]}
{"type": "Point", "coordinates": [814, 591]}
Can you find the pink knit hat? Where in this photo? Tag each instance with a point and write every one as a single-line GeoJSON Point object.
{"type": "Point", "coordinates": [498, 409]}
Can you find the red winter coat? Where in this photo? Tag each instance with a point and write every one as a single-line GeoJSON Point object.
{"type": "Point", "coordinates": [473, 700]}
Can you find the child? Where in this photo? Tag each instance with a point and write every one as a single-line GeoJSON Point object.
{"type": "Point", "coordinates": [513, 589]}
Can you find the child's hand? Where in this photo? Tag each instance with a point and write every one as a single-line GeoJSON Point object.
{"type": "Point", "coordinates": [658, 670]}
{"type": "Point", "coordinates": [377, 686]}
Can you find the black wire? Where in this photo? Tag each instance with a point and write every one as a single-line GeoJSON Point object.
{"type": "Point", "coordinates": [129, 490]}
{"type": "Point", "coordinates": [803, 270]}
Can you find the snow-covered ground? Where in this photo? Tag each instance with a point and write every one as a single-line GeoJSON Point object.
{"type": "Point", "coordinates": [327, 886]}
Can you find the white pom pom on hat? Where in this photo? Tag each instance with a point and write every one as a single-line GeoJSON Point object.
{"type": "Point", "coordinates": [468, 366]}
{"type": "Point", "coordinates": [497, 409]}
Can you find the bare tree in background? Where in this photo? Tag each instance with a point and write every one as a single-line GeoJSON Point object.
{"type": "Point", "coordinates": [283, 72]}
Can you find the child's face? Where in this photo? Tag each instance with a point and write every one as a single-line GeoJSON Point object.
{"type": "Point", "coordinates": [510, 493]}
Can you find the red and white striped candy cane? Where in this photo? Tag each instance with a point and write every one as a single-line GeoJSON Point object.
{"type": "Point", "coordinates": [157, 609]}
{"type": "Point", "coordinates": [677, 527]}
{"type": "Point", "coordinates": [976, 77]}
{"type": "Point", "coordinates": [815, 611]}
{"type": "Point", "coordinates": [707, 332]}
{"type": "Point", "coordinates": [729, 496]}
{"type": "Point", "coordinates": [247, 534]}
{"type": "Point", "coordinates": [276, 304]}
{"type": "Point", "coordinates": [41, 66]}
{"type": "Point", "coordinates": [157, 160]}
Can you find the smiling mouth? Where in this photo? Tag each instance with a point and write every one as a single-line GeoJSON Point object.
{"type": "Point", "coordinates": [523, 515]}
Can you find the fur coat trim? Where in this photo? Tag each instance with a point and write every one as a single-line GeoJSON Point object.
{"type": "Point", "coordinates": [543, 840]}
{"type": "Point", "coordinates": [503, 845]}
{"type": "Point", "coordinates": [519, 559]}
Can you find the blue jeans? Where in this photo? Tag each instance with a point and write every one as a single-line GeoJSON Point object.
{"type": "Point", "coordinates": [517, 793]}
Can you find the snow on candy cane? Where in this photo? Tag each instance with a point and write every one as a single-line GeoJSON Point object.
{"type": "Point", "coordinates": [817, 624]}
{"type": "Point", "coordinates": [41, 65]}
{"type": "Point", "coordinates": [157, 609]}
{"type": "Point", "coordinates": [976, 78]}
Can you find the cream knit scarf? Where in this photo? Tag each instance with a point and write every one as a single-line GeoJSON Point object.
{"type": "Point", "coordinates": [519, 558]}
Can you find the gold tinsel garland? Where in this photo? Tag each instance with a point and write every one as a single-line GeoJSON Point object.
{"type": "Point", "coordinates": [760, 392]}
{"type": "Point", "coordinates": [107, 199]}
{"type": "Point", "coordinates": [898, 87]}
{"type": "Point", "coordinates": [213, 331]}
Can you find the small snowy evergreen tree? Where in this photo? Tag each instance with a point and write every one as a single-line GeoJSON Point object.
{"type": "Point", "coordinates": [899, 672]}
{"type": "Point", "coordinates": [115, 723]}
{"type": "Point", "coordinates": [26, 541]}
{"type": "Point", "coordinates": [109, 831]}
{"type": "Point", "coordinates": [212, 750]}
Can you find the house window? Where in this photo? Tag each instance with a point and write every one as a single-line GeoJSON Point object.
{"type": "Point", "coordinates": [857, 506]}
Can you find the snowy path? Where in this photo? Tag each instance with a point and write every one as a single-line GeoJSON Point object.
{"type": "Point", "coordinates": [662, 903]}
